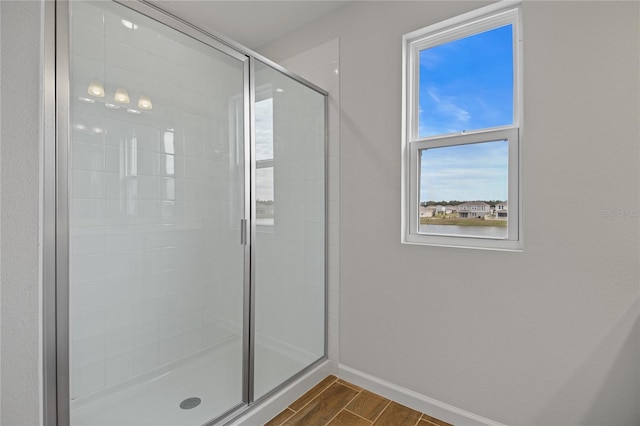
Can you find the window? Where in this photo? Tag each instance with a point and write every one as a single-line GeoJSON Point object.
{"type": "Point", "coordinates": [462, 131]}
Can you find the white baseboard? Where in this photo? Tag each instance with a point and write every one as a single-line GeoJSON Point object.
{"type": "Point", "coordinates": [266, 410]}
{"type": "Point", "coordinates": [411, 399]}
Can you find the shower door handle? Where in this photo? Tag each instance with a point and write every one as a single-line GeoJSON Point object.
{"type": "Point", "coordinates": [243, 231]}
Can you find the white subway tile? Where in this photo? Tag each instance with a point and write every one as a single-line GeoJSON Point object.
{"type": "Point", "coordinates": [118, 54]}
{"type": "Point", "coordinates": [148, 163]}
{"type": "Point", "coordinates": [167, 189]}
{"type": "Point", "coordinates": [88, 350]}
{"type": "Point", "coordinates": [146, 311]}
{"type": "Point", "coordinates": [116, 30]}
{"type": "Point", "coordinates": [118, 132]}
{"type": "Point", "coordinates": [193, 341]}
{"type": "Point", "coordinates": [87, 241]}
{"type": "Point", "coordinates": [119, 319]}
{"type": "Point", "coordinates": [88, 44]}
{"type": "Point", "coordinates": [87, 380]}
{"type": "Point", "coordinates": [148, 212]}
{"type": "Point", "coordinates": [119, 369]}
{"type": "Point", "coordinates": [86, 297]}
{"type": "Point", "coordinates": [193, 167]}
{"type": "Point", "coordinates": [118, 291]}
{"type": "Point", "coordinates": [191, 320]}
{"type": "Point", "coordinates": [193, 146]}
{"type": "Point", "coordinates": [148, 138]}
{"type": "Point", "coordinates": [170, 327]}
{"type": "Point", "coordinates": [119, 159]}
{"type": "Point", "coordinates": [86, 269]}
{"type": "Point", "coordinates": [115, 186]}
{"type": "Point", "coordinates": [87, 184]}
{"type": "Point", "coordinates": [146, 39]}
{"type": "Point", "coordinates": [87, 156]}
{"type": "Point", "coordinates": [146, 333]}
{"type": "Point", "coordinates": [193, 124]}
{"type": "Point", "coordinates": [147, 187]}
{"type": "Point", "coordinates": [171, 282]}
{"type": "Point", "coordinates": [146, 65]}
{"type": "Point", "coordinates": [146, 358]}
{"type": "Point", "coordinates": [87, 325]}
{"type": "Point", "coordinates": [121, 265]}
{"type": "Point", "coordinates": [168, 306]}
{"type": "Point", "coordinates": [125, 238]}
{"type": "Point", "coordinates": [119, 212]}
{"type": "Point", "coordinates": [88, 17]}
{"type": "Point", "coordinates": [119, 343]}
{"type": "Point", "coordinates": [169, 350]}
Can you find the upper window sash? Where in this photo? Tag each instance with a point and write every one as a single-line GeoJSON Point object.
{"type": "Point", "coordinates": [493, 16]}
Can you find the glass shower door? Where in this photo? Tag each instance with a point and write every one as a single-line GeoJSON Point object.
{"type": "Point", "coordinates": [290, 296]}
{"type": "Point", "coordinates": [157, 183]}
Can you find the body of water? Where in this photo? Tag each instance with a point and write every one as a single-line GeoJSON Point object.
{"type": "Point", "coordinates": [475, 231]}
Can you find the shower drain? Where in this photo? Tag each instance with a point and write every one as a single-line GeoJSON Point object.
{"type": "Point", "coordinates": [190, 403]}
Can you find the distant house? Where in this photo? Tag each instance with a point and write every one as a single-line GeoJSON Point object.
{"type": "Point", "coordinates": [439, 209]}
{"type": "Point", "coordinates": [501, 210]}
{"type": "Point", "coordinates": [450, 209]}
{"type": "Point", "coordinates": [473, 209]}
{"type": "Point", "coordinates": [428, 211]}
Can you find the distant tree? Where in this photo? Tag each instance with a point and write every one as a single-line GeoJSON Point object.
{"type": "Point", "coordinates": [456, 202]}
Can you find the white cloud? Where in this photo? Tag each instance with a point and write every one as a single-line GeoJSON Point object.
{"type": "Point", "coordinates": [465, 172]}
{"type": "Point", "coordinates": [448, 106]}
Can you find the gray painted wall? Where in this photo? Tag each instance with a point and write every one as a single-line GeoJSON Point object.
{"type": "Point", "coordinates": [19, 200]}
{"type": "Point", "coordinates": [548, 336]}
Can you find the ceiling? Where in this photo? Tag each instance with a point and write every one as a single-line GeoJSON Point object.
{"type": "Point", "coordinates": [250, 23]}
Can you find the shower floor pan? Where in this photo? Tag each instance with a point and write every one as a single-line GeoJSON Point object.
{"type": "Point", "coordinates": [213, 378]}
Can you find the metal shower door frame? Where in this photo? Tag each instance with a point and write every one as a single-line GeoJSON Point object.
{"type": "Point", "coordinates": [55, 204]}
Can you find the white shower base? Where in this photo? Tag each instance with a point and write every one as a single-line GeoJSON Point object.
{"type": "Point", "coordinates": [214, 376]}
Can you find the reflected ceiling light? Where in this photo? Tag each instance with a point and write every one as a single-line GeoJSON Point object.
{"type": "Point", "coordinates": [96, 89]}
{"type": "Point", "coordinates": [97, 130]}
{"type": "Point", "coordinates": [87, 100]}
{"type": "Point", "coordinates": [129, 24]}
{"type": "Point", "coordinates": [133, 111]}
{"type": "Point", "coordinates": [121, 96]}
{"type": "Point", "coordinates": [279, 90]}
{"type": "Point", "coordinates": [79, 126]}
{"type": "Point", "coordinates": [144, 102]}
{"type": "Point", "coordinates": [112, 106]}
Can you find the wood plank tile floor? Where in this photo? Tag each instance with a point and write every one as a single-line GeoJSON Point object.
{"type": "Point", "coordinates": [334, 402]}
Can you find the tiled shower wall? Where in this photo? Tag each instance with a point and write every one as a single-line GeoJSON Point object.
{"type": "Point", "coordinates": [156, 267]}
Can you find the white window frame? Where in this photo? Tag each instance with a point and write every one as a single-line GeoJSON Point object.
{"type": "Point", "coordinates": [477, 21]}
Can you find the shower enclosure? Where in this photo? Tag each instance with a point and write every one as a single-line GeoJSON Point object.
{"type": "Point", "coordinates": [190, 221]}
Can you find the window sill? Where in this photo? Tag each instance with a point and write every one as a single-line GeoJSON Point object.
{"type": "Point", "coordinates": [464, 243]}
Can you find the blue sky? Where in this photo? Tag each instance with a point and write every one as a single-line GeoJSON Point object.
{"type": "Point", "coordinates": [465, 172]}
{"type": "Point", "coordinates": [465, 85]}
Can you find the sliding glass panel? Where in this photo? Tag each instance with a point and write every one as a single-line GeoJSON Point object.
{"type": "Point", "coordinates": [290, 211]}
{"type": "Point", "coordinates": [156, 198]}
